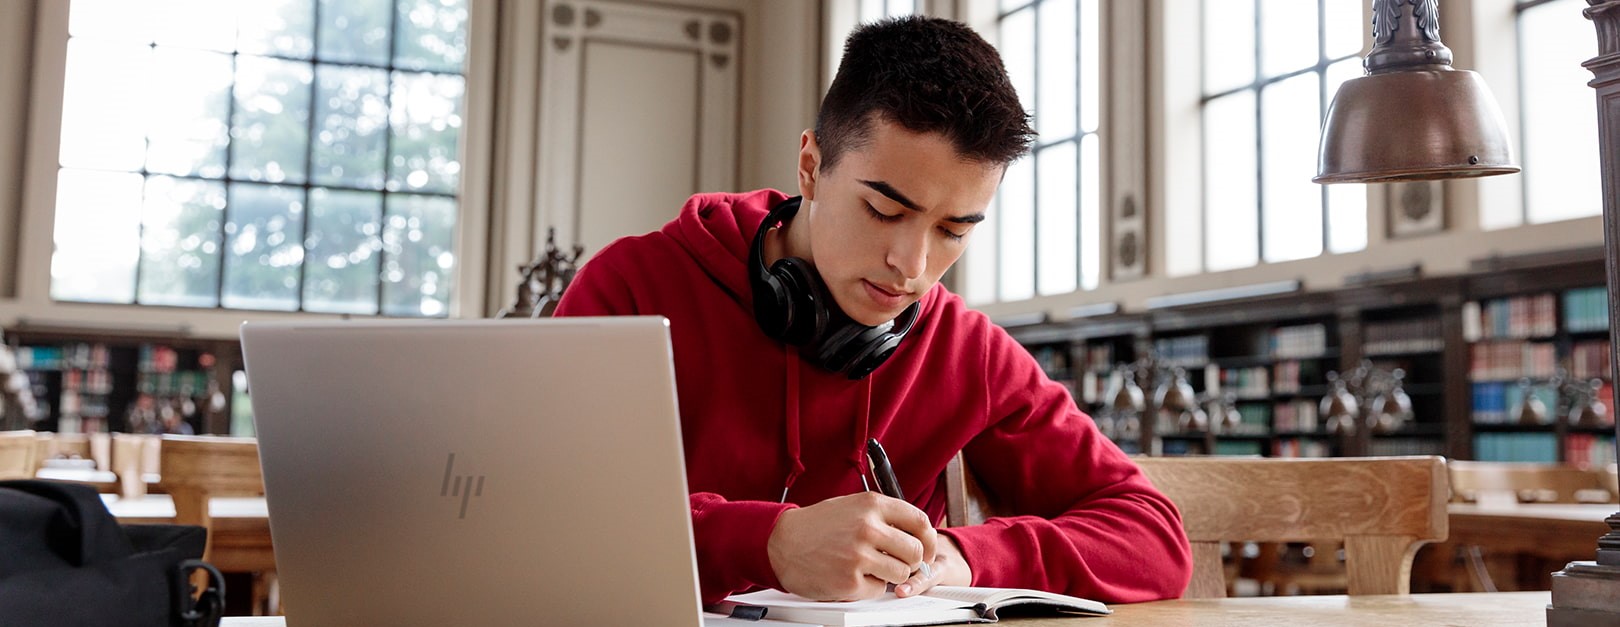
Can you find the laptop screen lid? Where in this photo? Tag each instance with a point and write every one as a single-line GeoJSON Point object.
{"type": "Point", "coordinates": [474, 472]}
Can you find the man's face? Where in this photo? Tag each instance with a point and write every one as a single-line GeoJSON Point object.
{"type": "Point", "coordinates": [890, 217]}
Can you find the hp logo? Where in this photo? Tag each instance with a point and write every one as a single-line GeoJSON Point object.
{"type": "Point", "coordinates": [464, 486]}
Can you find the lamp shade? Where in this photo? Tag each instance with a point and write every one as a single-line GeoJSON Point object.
{"type": "Point", "coordinates": [1412, 117]}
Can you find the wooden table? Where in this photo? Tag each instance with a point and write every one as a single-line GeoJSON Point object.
{"type": "Point", "coordinates": [1552, 531]}
{"type": "Point", "coordinates": [241, 527]}
{"type": "Point", "coordinates": [1477, 610]}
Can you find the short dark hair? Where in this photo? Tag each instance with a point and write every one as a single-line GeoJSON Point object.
{"type": "Point", "coordinates": [928, 75]}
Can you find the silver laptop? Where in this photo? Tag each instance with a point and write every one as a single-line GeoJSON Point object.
{"type": "Point", "coordinates": [488, 472]}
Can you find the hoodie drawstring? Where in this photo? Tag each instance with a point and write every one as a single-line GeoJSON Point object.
{"type": "Point", "coordinates": [791, 353]}
{"type": "Point", "coordinates": [863, 427]}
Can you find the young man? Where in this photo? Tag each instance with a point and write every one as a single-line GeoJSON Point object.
{"type": "Point", "coordinates": [774, 339]}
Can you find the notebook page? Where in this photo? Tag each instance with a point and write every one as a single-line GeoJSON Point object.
{"type": "Point", "coordinates": [885, 603]}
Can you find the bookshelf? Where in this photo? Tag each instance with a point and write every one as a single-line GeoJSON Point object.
{"type": "Point", "coordinates": [93, 381]}
{"type": "Point", "coordinates": [1462, 343]}
{"type": "Point", "coordinates": [1090, 358]}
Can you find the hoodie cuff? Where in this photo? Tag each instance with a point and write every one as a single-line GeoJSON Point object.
{"type": "Point", "coordinates": [731, 539]}
{"type": "Point", "coordinates": [991, 567]}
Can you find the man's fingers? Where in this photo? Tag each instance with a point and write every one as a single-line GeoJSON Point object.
{"type": "Point", "coordinates": [887, 567]}
{"type": "Point", "coordinates": [898, 544]}
{"type": "Point", "coordinates": [907, 518]}
{"type": "Point", "coordinates": [919, 583]}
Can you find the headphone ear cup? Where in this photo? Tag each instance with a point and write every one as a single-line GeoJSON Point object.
{"type": "Point", "coordinates": [772, 307]}
{"type": "Point", "coordinates": [807, 304]}
{"type": "Point", "coordinates": [873, 355]}
{"type": "Point", "coordinates": [845, 342]}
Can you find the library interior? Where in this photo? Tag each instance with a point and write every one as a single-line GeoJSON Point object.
{"type": "Point", "coordinates": [1336, 278]}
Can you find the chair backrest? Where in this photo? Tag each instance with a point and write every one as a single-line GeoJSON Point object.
{"type": "Point", "coordinates": [1545, 483]}
{"type": "Point", "coordinates": [17, 450]}
{"type": "Point", "coordinates": [134, 457]}
{"type": "Point", "coordinates": [196, 468]}
{"type": "Point", "coordinates": [1383, 509]}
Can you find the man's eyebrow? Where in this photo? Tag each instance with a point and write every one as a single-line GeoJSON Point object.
{"type": "Point", "coordinates": [895, 195]}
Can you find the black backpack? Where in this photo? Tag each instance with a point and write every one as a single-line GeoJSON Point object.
{"type": "Point", "coordinates": [65, 561]}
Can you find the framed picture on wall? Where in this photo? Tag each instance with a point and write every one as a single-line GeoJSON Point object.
{"type": "Point", "coordinates": [1415, 208]}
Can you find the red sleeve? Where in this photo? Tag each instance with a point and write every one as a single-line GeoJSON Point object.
{"type": "Point", "coordinates": [1091, 523]}
{"type": "Point", "coordinates": [730, 536]}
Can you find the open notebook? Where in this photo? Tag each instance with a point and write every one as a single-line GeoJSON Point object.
{"type": "Point", "coordinates": [943, 604]}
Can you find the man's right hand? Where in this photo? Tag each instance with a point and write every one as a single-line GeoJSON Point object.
{"type": "Point", "coordinates": [851, 547]}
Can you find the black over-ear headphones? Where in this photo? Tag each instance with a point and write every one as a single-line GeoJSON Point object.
{"type": "Point", "coordinates": [791, 304]}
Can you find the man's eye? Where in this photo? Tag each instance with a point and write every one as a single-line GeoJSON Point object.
{"type": "Point", "coordinates": [880, 216]}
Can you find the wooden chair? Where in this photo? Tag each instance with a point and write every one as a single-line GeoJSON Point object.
{"type": "Point", "coordinates": [1530, 483]}
{"type": "Point", "coordinates": [197, 468]}
{"type": "Point", "coordinates": [17, 450]}
{"type": "Point", "coordinates": [137, 460]}
{"type": "Point", "coordinates": [1383, 509]}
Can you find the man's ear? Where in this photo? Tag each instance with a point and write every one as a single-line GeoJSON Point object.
{"type": "Point", "coordinates": [809, 164]}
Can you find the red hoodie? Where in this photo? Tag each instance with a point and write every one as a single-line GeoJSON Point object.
{"type": "Point", "coordinates": [757, 421]}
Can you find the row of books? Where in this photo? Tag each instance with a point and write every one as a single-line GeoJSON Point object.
{"type": "Point", "coordinates": [47, 358]}
{"type": "Point", "coordinates": [1289, 375]}
{"type": "Point", "coordinates": [1299, 342]}
{"type": "Point", "coordinates": [1402, 336]}
{"type": "Point", "coordinates": [1297, 416]}
{"type": "Point", "coordinates": [1497, 402]}
{"type": "Point", "coordinates": [1240, 448]}
{"type": "Point", "coordinates": [1520, 317]}
{"type": "Point", "coordinates": [1586, 309]}
{"type": "Point", "coordinates": [1586, 450]}
{"type": "Point", "coordinates": [154, 358]}
{"type": "Point", "coordinates": [97, 382]}
{"type": "Point", "coordinates": [1301, 447]}
{"type": "Point", "coordinates": [183, 383]}
{"type": "Point", "coordinates": [1185, 351]}
{"type": "Point", "coordinates": [1100, 357]}
{"type": "Point", "coordinates": [1590, 360]}
{"type": "Point", "coordinates": [1256, 420]}
{"type": "Point", "coordinates": [1516, 447]}
{"type": "Point", "coordinates": [1505, 361]}
{"type": "Point", "coordinates": [1247, 383]}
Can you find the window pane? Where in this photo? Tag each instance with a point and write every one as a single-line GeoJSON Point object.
{"type": "Point", "coordinates": [113, 20]}
{"type": "Point", "coordinates": [1017, 206]}
{"type": "Point", "coordinates": [1288, 36]}
{"type": "Point", "coordinates": [1090, 72]}
{"type": "Point", "coordinates": [283, 28]}
{"type": "Point", "coordinates": [262, 228]}
{"type": "Point", "coordinates": [1228, 44]}
{"type": "Point", "coordinates": [343, 244]}
{"type": "Point", "coordinates": [1231, 216]}
{"type": "Point", "coordinates": [1347, 202]}
{"type": "Point", "coordinates": [1347, 217]}
{"type": "Point", "coordinates": [351, 113]}
{"type": "Point", "coordinates": [1290, 127]}
{"type": "Point", "coordinates": [204, 24]}
{"type": "Point", "coordinates": [1344, 26]}
{"type": "Point", "coordinates": [103, 117]}
{"type": "Point", "coordinates": [1058, 208]}
{"type": "Point", "coordinates": [418, 255]}
{"type": "Point", "coordinates": [980, 257]}
{"type": "Point", "coordinates": [97, 236]}
{"type": "Point", "coordinates": [354, 31]}
{"type": "Point", "coordinates": [901, 7]}
{"type": "Point", "coordinates": [1056, 63]}
{"type": "Point", "coordinates": [872, 10]}
{"type": "Point", "coordinates": [1090, 212]}
{"type": "Point", "coordinates": [190, 95]}
{"type": "Point", "coordinates": [432, 35]}
{"type": "Point", "coordinates": [1018, 54]}
{"type": "Point", "coordinates": [1008, 5]}
{"type": "Point", "coordinates": [270, 129]}
{"type": "Point", "coordinates": [426, 122]}
{"type": "Point", "coordinates": [1561, 175]}
{"type": "Point", "coordinates": [180, 242]}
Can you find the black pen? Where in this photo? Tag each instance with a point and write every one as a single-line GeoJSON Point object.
{"type": "Point", "coordinates": [887, 483]}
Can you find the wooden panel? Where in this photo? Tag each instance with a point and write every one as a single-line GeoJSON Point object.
{"type": "Point", "coordinates": [17, 454]}
{"type": "Point", "coordinates": [638, 138]}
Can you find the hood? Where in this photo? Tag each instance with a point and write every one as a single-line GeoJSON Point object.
{"type": "Point", "coordinates": [716, 230]}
